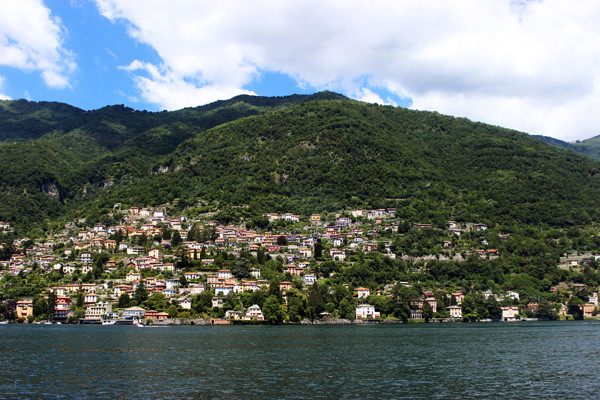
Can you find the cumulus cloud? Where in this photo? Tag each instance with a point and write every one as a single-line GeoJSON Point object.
{"type": "Point", "coordinates": [527, 65]}
{"type": "Point", "coordinates": [31, 40]}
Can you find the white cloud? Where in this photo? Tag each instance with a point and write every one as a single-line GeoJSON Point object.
{"type": "Point", "coordinates": [527, 65]}
{"type": "Point", "coordinates": [3, 96]}
{"type": "Point", "coordinates": [31, 40]}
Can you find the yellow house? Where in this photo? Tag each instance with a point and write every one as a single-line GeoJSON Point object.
{"type": "Point", "coordinates": [24, 309]}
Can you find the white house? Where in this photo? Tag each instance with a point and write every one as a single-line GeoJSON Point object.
{"type": "Point", "coordinates": [309, 279]}
{"type": "Point", "coordinates": [366, 311]}
{"type": "Point", "coordinates": [455, 312]}
{"type": "Point", "coordinates": [254, 312]}
{"type": "Point", "coordinates": [510, 313]}
{"type": "Point", "coordinates": [363, 292]}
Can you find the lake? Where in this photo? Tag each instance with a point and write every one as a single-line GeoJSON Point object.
{"type": "Point", "coordinates": [524, 360]}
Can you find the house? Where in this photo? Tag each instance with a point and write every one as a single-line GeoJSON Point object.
{"type": "Point", "coordinates": [293, 270]}
{"type": "Point", "coordinates": [156, 253]}
{"type": "Point", "coordinates": [593, 298]}
{"type": "Point", "coordinates": [315, 218]}
{"type": "Point", "coordinates": [95, 312]}
{"type": "Point", "coordinates": [513, 295]}
{"type": "Point", "coordinates": [86, 258]}
{"type": "Point", "coordinates": [24, 309]}
{"type": "Point", "coordinates": [136, 250]}
{"type": "Point", "coordinates": [254, 313]}
{"type": "Point", "coordinates": [510, 313]}
{"type": "Point", "coordinates": [196, 289]}
{"type": "Point", "coordinates": [369, 247]}
{"type": "Point", "coordinates": [223, 289]}
{"type": "Point", "coordinates": [224, 274]}
{"type": "Point", "coordinates": [185, 303]}
{"type": "Point", "coordinates": [588, 309]}
{"type": "Point", "coordinates": [363, 292]}
{"type": "Point", "coordinates": [432, 303]}
{"type": "Point", "coordinates": [62, 308]}
{"type": "Point", "coordinates": [343, 221]}
{"type": "Point", "coordinates": [136, 312]}
{"type": "Point", "coordinates": [309, 279]}
{"type": "Point", "coordinates": [285, 285]}
{"type": "Point", "coordinates": [191, 276]}
{"type": "Point", "coordinates": [455, 312]}
{"type": "Point", "coordinates": [366, 311]}
{"type": "Point", "coordinates": [217, 302]}
{"type": "Point", "coordinates": [459, 297]}
{"type": "Point", "coordinates": [172, 283]}
{"type": "Point", "coordinates": [133, 276]}
{"type": "Point", "coordinates": [90, 298]}
{"type": "Point", "coordinates": [255, 272]}
{"type": "Point", "coordinates": [305, 252]}
{"type": "Point", "coordinates": [156, 316]}
{"type": "Point", "coordinates": [339, 255]}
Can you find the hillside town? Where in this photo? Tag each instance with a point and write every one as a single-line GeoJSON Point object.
{"type": "Point", "coordinates": [162, 269]}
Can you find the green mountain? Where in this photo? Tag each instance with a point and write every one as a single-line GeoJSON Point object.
{"type": "Point", "coordinates": [589, 147]}
{"type": "Point", "coordinates": [300, 154]}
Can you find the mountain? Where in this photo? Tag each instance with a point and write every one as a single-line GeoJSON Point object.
{"type": "Point", "coordinates": [303, 154]}
{"type": "Point", "coordinates": [589, 147]}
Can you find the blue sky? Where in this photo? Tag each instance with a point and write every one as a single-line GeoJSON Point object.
{"type": "Point", "coordinates": [525, 65]}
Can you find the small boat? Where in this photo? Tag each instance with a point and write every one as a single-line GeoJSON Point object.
{"type": "Point", "coordinates": [3, 322]}
{"type": "Point", "coordinates": [109, 322]}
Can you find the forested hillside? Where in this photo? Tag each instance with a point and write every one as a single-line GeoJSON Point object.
{"type": "Point", "coordinates": [300, 154]}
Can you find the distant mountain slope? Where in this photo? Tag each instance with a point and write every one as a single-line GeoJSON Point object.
{"type": "Point", "coordinates": [589, 147]}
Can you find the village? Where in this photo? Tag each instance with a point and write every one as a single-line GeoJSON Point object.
{"type": "Point", "coordinates": [198, 271]}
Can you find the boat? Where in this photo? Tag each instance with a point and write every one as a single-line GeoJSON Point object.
{"type": "Point", "coordinates": [3, 322]}
{"type": "Point", "coordinates": [127, 320]}
{"type": "Point", "coordinates": [109, 322]}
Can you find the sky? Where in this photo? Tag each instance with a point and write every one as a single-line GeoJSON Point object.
{"type": "Point", "coordinates": [529, 65]}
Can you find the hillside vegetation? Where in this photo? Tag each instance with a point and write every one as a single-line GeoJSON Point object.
{"type": "Point", "coordinates": [300, 154]}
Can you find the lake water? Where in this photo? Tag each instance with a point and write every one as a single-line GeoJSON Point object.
{"type": "Point", "coordinates": [525, 360]}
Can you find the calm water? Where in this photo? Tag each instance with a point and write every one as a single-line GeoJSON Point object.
{"type": "Point", "coordinates": [442, 361]}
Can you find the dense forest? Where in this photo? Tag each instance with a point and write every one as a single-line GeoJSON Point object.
{"type": "Point", "coordinates": [302, 154]}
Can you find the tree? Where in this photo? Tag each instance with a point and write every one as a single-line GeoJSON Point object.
{"type": "Point", "coordinates": [202, 302]}
{"type": "Point", "coordinates": [40, 307]}
{"type": "Point", "coordinates": [241, 268]}
{"type": "Point", "coordinates": [316, 300]}
{"type": "Point", "coordinates": [260, 256]}
{"type": "Point", "coordinates": [575, 305]}
{"type": "Point", "coordinates": [157, 301]}
{"type": "Point", "coordinates": [141, 293]}
{"type": "Point", "coordinates": [173, 311]}
{"type": "Point", "coordinates": [124, 300]}
{"type": "Point", "coordinates": [427, 311]}
{"type": "Point", "coordinates": [403, 296]}
{"type": "Point", "coordinates": [183, 282]}
{"type": "Point", "coordinates": [80, 299]}
{"type": "Point", "coordinates": [346, 309]}
{"type": "Point", "coordinates": [51, 305]}
{"type": "Point", "coordinates": [318, 249]}
{"type": "Point", "coordinates": [176, 239]}
{"type": "Point", "coordinates": [272, 310]}
{"type": "Point", "coordinates": [282, 241]}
